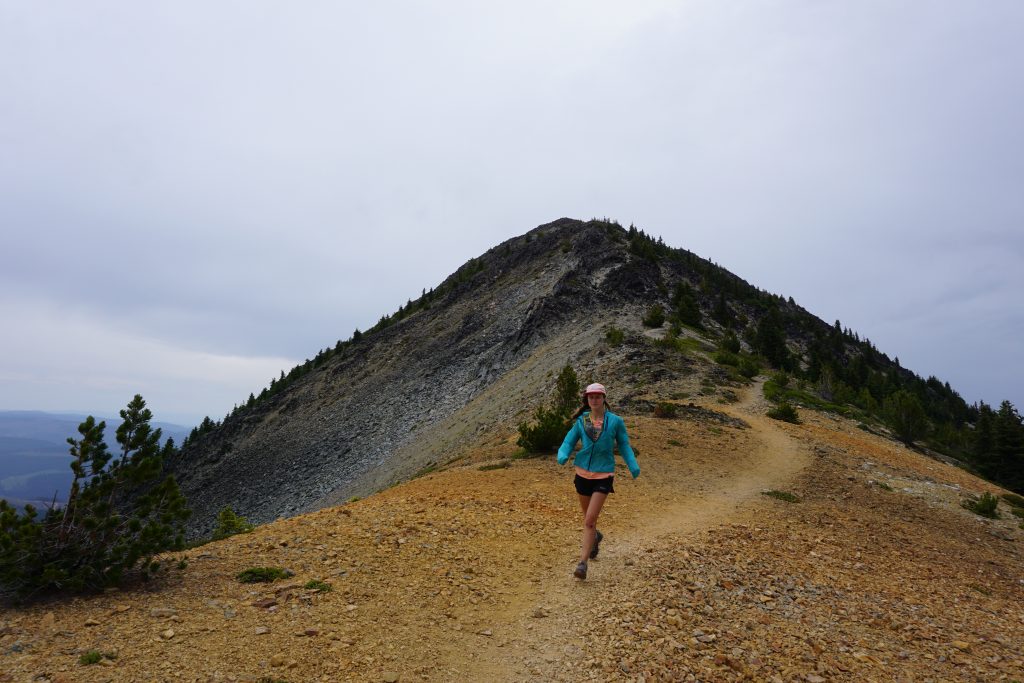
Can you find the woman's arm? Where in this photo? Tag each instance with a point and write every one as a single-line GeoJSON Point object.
{"type": "Point", "coordinates": [569, 443]}
{"type": "Point", "coordinates": [622, 439]}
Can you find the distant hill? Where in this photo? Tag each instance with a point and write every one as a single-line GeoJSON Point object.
{"type": "Point", "coordinates": [34, 457]}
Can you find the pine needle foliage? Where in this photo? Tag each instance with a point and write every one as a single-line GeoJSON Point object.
{"type": "Point", "coordinates": [229, 524]}
{"type": "Point", "coordinates": [545, 433]}
{"type": "Point", "coordinates": [906, 416]}
{"type": "Point", "coordinates": [121, 512]}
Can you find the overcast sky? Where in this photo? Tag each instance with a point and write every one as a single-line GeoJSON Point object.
{"type": "Point", "coordinates": [197, 195]}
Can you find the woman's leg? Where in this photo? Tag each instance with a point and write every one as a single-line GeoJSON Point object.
{"type": "Point", "coordinates": [590, 513]}
{"type": "Point", "coordinates": [584, 503]}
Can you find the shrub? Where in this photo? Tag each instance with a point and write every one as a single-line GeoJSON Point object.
{"type": "Point", "coordinates": [90, 657]}
{"type": "Point", "coordinates": [665, 409]}
{"type": "Point", "coordinates": [546, 432]}
{"type": "Point", "coordinates": [229, 524]}
{"type": "Point", "coordinates": [784, 412]}
{"type": "Point", "coordinates": [729, 396]}
{"type": "Point", "coordinates": [727, 358]}
{"type": "Point", "coordinates": [317, 585]}
{"type": "Point", "coordinates": [548, 429]}
{"type": "Point", "coordinates": [120, 513]}
{"type": "Point", "coordinates": [781, 495]}
{"type": "Point", "coordinates": [730, 343]}
{"type": "Point", "coordinates": [749, 367]}
{"type": "Point", "coordinates": [614, 336]}
{"type": "Point", "coordinates": [984, 506]}
{"type": "Point", "coordinates": [263, 574]}
{"type": "Point", "coordinates": [655, 316]}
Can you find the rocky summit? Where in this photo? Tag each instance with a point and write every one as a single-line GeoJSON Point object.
{"type": "Point", "coordinates": [412, 393]}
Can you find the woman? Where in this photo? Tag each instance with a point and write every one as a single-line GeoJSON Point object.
{"type": "Point", "coordinates": [599, 429]}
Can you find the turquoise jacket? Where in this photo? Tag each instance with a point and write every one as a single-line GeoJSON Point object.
{"type": "Point", "coordinates": [599, 456]}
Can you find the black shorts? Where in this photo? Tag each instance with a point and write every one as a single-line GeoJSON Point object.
{"type": "Point", "coordinates": [588, 487]}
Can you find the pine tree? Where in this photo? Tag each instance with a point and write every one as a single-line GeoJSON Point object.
{"type": "Point", "coordinates": [770, 340]}
{"type": "Point", "coordinates": [983, 446]}
{"type": "Point", "coordinates": [567, 392]}
{"type": "Point", "coordinates": [120, 513]}
{"type": "Point", "coordinates": [684, 305]}
{"type": "Point", "coordinates": [1009, 447]}
{"type": "Point", "coordinates": [906, 416]}
{"type": "Point", "coordinates": [548, 428]}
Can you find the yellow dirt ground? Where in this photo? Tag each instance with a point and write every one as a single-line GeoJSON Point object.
{"type": "Point", "coordinates": [465, 575]}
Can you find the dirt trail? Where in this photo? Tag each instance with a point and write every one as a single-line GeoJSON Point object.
{"type": "Point", "coordinates": [689, 487]}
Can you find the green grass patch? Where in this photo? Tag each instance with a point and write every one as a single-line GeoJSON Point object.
{"type": "Point", "coordinates": [984, 506]}
{"type": "Point", "coordinates": [727, 358]}
{"type": "Point", "coordinates": [882, 485]}
{"type": "Point", "coordinates": [984, 590]}
{"type": "Point", "coordinates": [1017, 512]}
{"type": "Point", "coordinates": [263, 574]}
{"type": "Point", "coordinates": [494, 466]}
{"type": "Point", "coordinates": [90, 657]}
{"type": "Point", "coordinates": [317, 585]}
{"type": "Point", "coordinates": [793, 395]}
{"type": "Point", "coordinates": [781, 495]}
{"type": "Point", "coordinates": [673, 442]}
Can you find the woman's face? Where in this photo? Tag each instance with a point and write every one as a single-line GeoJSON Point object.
{"type": "Point", "coordinates": [595, 400]}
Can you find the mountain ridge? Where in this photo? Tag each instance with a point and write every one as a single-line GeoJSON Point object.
{"type": "Point", "coordinates": [401, 397]}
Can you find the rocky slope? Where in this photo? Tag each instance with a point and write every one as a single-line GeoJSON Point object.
{"type": "Point", "coordinates": [412, 394]}
{"type": "Point", "coordinates": [406, 397]}
{"type": "Point", "coordinates": [876, 574]}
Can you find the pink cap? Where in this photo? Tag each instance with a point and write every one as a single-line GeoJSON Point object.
{"type": "Point", "coordinates": [595, 388]}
